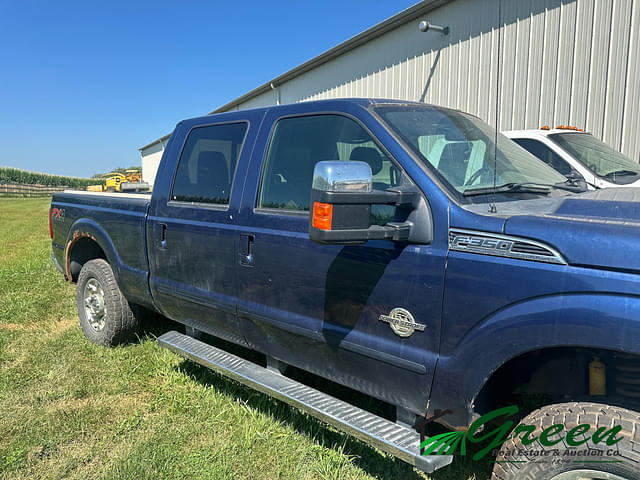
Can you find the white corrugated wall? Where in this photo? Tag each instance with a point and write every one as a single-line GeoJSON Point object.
{"type": "Point", "coordinates": [562, 62]}
{"type": "Point", "coordinates": [150, 158]}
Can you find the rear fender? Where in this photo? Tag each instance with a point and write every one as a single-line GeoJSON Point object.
{"type": "Point", "coordinates": [87, 228]}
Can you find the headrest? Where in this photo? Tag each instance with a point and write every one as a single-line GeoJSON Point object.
{"type": "Point", "coordinates": [212, 165]}
{"type": "Point", "coordinates": [458, 150]}
{"type": "Point", "coordinates": [211, 158]}
{"type": "Point", "coordinates": [294, 163]}
{"type": "Point", "coordinates": [369, 155]}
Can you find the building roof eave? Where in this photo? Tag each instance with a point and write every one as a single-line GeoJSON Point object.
{"type": "Point", "coordinates": [376, 31]}
{"type": "Point", "coordinates": [155, 142]}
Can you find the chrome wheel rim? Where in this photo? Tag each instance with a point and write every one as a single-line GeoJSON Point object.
{"type": "Point", "coordinates": [94, 304]}
{"type": "Point", "coordinates": [587, 474]}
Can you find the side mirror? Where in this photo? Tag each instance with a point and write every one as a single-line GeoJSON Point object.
{"type": "Point", "coordinates": [341, 197]}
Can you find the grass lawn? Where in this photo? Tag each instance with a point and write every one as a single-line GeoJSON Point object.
{"type": "Point", "coordinates": [70, 409]}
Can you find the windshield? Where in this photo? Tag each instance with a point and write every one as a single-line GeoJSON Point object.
{"type": "Point", "coordinates": [597, 156]}
{"type": "Point", "coordinates": [461, 149]}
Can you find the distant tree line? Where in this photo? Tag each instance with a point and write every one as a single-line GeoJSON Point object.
{"type": "Point", "coordinates": [15, 175]}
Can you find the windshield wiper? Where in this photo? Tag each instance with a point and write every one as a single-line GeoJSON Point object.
{"type": "Point", "coordinates": [525, 187]}
{"type": "Point", "coordinates": [622, 173]}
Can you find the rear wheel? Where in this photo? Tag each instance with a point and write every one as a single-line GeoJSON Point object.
{"type": "Point", "coordinates": [105, 315]}
{"type": "Point", "coordinates": [566, 461]}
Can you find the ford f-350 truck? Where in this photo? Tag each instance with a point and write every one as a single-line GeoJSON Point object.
{"type": "Point", "coordinates": [406, 251]}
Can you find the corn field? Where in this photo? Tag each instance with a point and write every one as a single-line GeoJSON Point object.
{"type": "Point", "coordinates": [15, 175]}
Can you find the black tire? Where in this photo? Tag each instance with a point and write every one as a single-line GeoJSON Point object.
{"type": "Point", "coordinates": [625, 463]}
{"type": "Point", "coordinates": [109, 321]}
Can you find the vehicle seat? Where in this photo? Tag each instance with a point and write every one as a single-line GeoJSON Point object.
{"type": "Point", "coordinates": [290, 179]}
{"type": "Point", "coordinates": [454, 161]}
{"type": "Point", "coordinates": [372, 157]}
{"type": "Point", "coordinates": [212, 181]}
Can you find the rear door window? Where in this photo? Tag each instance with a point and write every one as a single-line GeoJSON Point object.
{"type": "Point", "coordinates": [208, 162]}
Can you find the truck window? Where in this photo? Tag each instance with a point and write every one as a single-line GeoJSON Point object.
{"type": "Point", "coordinates": [208, 163]}
{"type": "Point", "coordinates": [461, 149]}
{"type": "Point", "coordinates": [545, 154]}
{"type": "Point", "coordinates": [299, 143]}
{"type": "Point", "coordinates": [597, 156]}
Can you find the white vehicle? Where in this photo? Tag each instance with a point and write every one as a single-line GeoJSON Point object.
{"type": "Point", "coordinates": [577, 154]}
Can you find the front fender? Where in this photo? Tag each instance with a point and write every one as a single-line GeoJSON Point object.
{"type": "Point", "coordinates": [605, 321]}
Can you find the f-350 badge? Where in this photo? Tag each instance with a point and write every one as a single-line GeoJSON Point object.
{"type": "Point", "coordinates": [401, 322]}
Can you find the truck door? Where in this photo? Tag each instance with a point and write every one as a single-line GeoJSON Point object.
{"type": "Point", "coordinates": [192, 229]}
{"type": "Point", "coordinates": [327, 309]}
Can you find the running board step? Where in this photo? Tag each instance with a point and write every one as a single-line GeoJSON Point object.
{"type": "Point", "coordinates": [398, 440]}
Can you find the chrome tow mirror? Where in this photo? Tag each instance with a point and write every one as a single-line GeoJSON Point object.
{"type": "Point", "coordinates": [342, 177]}
{"type": "Point", "coordinates": [341, 198]}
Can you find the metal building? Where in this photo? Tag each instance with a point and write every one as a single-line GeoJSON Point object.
{"type": "Point", "coordinates": [548, 62]}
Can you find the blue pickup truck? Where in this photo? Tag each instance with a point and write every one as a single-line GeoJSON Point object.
{"type": "Point", "coordinates": [405, 251]}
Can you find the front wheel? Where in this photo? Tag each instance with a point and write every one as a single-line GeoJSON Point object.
{"type": "Point", "coordinates": [580, 453]}
{"type": "Point", "coordinates": [105, 315]}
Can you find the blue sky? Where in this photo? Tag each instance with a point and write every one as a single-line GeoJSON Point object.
{"type": "Point", "coordinates": [84, 84]}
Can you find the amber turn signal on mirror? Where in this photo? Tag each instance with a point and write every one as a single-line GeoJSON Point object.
{"type": "Point", "coordinates": [322, 215]}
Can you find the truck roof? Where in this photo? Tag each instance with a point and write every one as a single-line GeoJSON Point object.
{"type": "Point", "coordinates": [543, 131]}
{"type": "Point", "coordinates": [338, 102]}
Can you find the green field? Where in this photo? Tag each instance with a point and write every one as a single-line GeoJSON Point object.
{"type": "Point", "coordinates": [70, 409]}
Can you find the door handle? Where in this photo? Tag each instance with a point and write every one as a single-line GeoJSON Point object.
{"type": "Point", "coordinates": [246, 249]}
{"type": "Point", "coordinates": [163, 235]}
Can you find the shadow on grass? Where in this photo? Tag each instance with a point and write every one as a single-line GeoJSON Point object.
{"type": "Point", "coordinates": [153, 324]}
{"type": "Point", "coordinates": [371, 461]}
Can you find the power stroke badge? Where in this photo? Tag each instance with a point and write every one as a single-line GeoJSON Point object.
{"type": "Point", "coordinates": [401, 322]}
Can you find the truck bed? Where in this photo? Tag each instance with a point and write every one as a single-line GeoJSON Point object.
{"type": "Point", "coordinates": [146, 196]}
{"type": "Point", "coordinates": [117, 222]}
